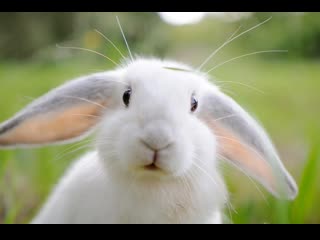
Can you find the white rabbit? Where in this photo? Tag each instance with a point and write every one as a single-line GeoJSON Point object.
{"type": "Point", "coordinates": [162, 129]}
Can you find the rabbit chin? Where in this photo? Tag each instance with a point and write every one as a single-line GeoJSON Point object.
{"type": "Point", "coordinates": [151, 173]}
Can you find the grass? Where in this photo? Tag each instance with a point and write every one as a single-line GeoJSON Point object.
{"type": "Point", "coordinates": [288, 110]}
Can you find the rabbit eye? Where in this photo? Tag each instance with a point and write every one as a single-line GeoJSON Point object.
{"type": "Point", "coordinates": [194, 104]}
{"type": "Point", "coordinates": [126, 97]}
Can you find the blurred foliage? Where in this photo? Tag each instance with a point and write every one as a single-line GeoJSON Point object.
{"type": "Point", "coordinates": [24, 35]}
{"type": "Point", "coordinates": [297, 32]}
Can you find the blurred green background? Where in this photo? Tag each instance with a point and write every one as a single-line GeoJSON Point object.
{"type": "Point", "coordinates": [286, 102]}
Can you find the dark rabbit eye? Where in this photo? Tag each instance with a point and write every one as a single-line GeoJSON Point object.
{"type": "Point", "coordinates": [194, 104]}
{"type": "Point", "coordinates": [126, 97]}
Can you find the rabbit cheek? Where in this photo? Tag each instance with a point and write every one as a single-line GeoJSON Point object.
{"type": "Point", "coordinates": [177, 160]}
{"type": "Point", "coordinates": [205, 145]}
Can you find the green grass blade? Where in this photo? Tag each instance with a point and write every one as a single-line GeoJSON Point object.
{"type": "Point", "coordinates": [307, 187]}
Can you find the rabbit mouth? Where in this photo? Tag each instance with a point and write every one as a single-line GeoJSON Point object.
{"type": "Point", "coordinates": [152, 167]}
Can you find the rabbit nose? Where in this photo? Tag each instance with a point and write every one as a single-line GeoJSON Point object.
{"type": "Point", "coordinates": [154, 147]}
{"type": "Point", "coordinates": [156, 136]}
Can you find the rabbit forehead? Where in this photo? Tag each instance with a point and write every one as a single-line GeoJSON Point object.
{"type": "Point", "coordinates": [163, 76]}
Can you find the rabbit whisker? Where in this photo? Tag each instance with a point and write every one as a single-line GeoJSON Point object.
{"type": "Point", "coordinates": [225, 199]}
{"type": "Point", "coordinates": [124, 38]}
{"type": "Point", "coordinates": [73, 151]}
{"type": "Point", "coordinates": [89, 50]}
{"type": "Point", "coordinates": [229, 205]}
{"type": "Point", "coordinates": [242, 56]}
{"type": "Point", "coordinates": [234, 33]}
{"type": "Point", "coordinates": [230, 40]}
{"type": "Point", "coordinates": [87, 115]}
{"type": "Point", "coordinates": [225, 117]}
{"type": "Point", "coordinates": [206, 173]}
{"type": "Point", "coordinates": [251, 180]}
{"type": "Point", "coordinates": [105, 37]}
{"type": "Point", "coordinates": [225, 90]}
{"type": "Point", "coordinates": [243, 84]}
{"type": "Point", "coordinates": [73, 146]}
{"type": "Point", "coordinates": [86, 100]}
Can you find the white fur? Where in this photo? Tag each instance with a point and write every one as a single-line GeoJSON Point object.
{"type": "Point", "coordinates": [110, 184]}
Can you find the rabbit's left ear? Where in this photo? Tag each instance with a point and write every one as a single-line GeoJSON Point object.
{"type": "Point", "coordinates": [243, 142]}
{"type": "Point", "coordinates": [64, 114]}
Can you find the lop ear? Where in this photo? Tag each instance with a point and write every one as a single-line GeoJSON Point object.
{"type": "Point", "coordinates": [67, 113]}
{"type": "Point", "coordinates": [245, 144]}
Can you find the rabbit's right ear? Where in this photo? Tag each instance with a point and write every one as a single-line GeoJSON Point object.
{"type": "Point", "coordinates": [64, 114]}
{"type": "Point", "coordinates": [244, 143]}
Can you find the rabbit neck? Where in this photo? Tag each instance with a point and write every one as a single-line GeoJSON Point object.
{"type": "Point", "coordinates": [189, 199]}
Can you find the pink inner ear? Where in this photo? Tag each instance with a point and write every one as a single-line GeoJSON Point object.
{"type": "Point", "coordinates": [53, 127]}
{"type": "Point", "coordinates": [245, 157]}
